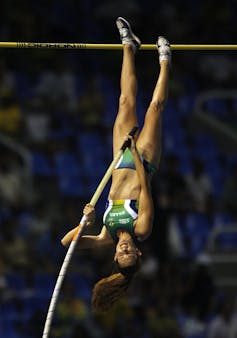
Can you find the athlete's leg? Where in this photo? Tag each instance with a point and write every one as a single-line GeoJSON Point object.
{"type": "Point", "coordinates": [126, 117]}
{"type": "Point", "coordinates": [149, 141]}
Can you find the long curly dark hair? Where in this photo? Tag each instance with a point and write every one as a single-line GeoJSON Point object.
{"type": "Point", "coordinates": [109, 290]}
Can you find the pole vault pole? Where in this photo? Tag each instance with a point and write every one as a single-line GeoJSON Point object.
{"type": "Point", "coordinates": [77, 235]}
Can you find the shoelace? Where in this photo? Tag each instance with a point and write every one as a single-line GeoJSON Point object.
{"type": "Point", "coordinates": [124, 32]}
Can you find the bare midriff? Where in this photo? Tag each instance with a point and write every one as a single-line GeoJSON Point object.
{"type": "Point", "coordinates": [125, 185]}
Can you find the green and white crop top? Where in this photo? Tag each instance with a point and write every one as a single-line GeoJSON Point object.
{"type": "Point", "coordinates": [127, 161]}
{"type": "Point", "coordinates": [120, 215]}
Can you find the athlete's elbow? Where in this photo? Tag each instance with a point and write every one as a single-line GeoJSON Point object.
{"type": "Point", "coordinates": [143, 235]}
{"type": "Point", "coordinates": [144, 231]}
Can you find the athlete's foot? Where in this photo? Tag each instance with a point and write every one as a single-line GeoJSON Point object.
{"type": "Point", "coordinates": [163, 47]}
{"type": "Point", "coordinates": [126, 34]}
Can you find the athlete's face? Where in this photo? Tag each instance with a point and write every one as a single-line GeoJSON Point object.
{"type": "Point", "coordinates": [126, 253]}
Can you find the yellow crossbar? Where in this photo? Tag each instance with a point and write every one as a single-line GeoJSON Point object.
{"type": "Point", "coordinates": [110, 46]}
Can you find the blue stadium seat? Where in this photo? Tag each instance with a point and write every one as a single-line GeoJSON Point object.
{"type": "Point", "coordinates": [24, 222]}
{"type": "Point", "coordinates": [185, 166]}
{"type": "Point", "coordinates": [91, 142]}
{"type": "Point", "coordinates": [71, 186]}
{"type": "Point", "coordinates": [111, 107]}
{"type": "Point", "coordinates": [186, 105]}
{"type": "Point", "coordinates": [34, 303]}
{"type": "Point", "coordinates": [218, 107]}
{"type": "Point", "coordinates": [11, 332]}
{"type": "Point", "coordinates": [227, 241]}
{"type": "Point", "coordinates": [40, 164]}
{"type": "Point", "coordinates": [61, 133]}
{"type": "Point", "coordinates": [171, 122]}
{"type": "Point", "coordinates": [16, 281]}
{"type": "Point", "coordinates": [111, 97]}
{"type": "Point", "coordinates": [82, 287]}
{"type": "Point", "coordinates": [24, 89]}
{"type": "Point", "coordinates": [43, 284]}
{"type": "Point", "coordinates": [231, 162]}
{"type": "Point", "coordinates": [222, 219]}
{"type": "Point", "coordinates": [174, 142]}
{"type": "Point", "coordinates": [196, 229]}
{"type": "Point", "coordinates": [66, 164]}
{"type": "Point", "coordinates": [205, 153]}
{"type": "Point", "coordinates": [9, 312]}
{"type": "Point", "coordinates": [205, 144]}
{"type": "Point", "coordinates": [94, 158]}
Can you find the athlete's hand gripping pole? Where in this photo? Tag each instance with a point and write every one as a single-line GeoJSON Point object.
{"type": "Point", "coordinates": [78, 233]}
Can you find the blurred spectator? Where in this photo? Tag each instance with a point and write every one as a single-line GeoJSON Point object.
{"type": "Point", "coordinates": [110, 322]}
{"type": "Point", "coordinates": [10, 112]}
{"type": "Point", "coordinates": [91, 105]}
{"type": "Point", "coordinates": [228, 199]}
{"type": "Point", "coordinates": [173, 191]}
{"type": "Point", "coordinates": [15, 249]}
{"type": "Point", "coordinates": [170, 195]}
{"type": "Point", "coordinates": [5, 292]}
{"type": "Point", "coordinates": [36, 121]}
{"type": "Point", "coordinates": [200, 187]}
{"type": "Point", "coordinates": [58, 85]}
{"type": "Point", "coordinates": [222, 325]}
{"type": "Point", "coordinates": [161, 323]}
{"type": "Point", "coordinates": [199, 290]}
{"type": "Point", "coordinates": [7, 81]}
{"type": "Point", "coordinates": [72, 309]}
{"type": "Point", "coordinates": [193, 326]}
{"type": "Point", "coordinates": [12, 186]}
{"type": "Point", "coordinates": [10, 116]}
{"type": "Point", "coordinates": [38, 222]}
{"type": "Point", "coordinates": [176, 243]}
{"type": "Point", "coordinates": [210, 69]}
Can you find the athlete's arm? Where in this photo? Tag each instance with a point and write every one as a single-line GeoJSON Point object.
{"type": "Point", "coordinates": [144, 221]}
{"type": "Point", "coordinates": [88, 241]}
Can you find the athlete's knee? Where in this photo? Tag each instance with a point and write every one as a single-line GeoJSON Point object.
{"type": "Point", "coordinates": [157, 105]}
{"type": "Point", "coordinates": [127, 102]}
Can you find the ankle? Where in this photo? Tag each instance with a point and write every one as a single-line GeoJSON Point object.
{"type": "Point", "coordinates": [164, 63]}
{"type": "Point", "coordinates": [128, 48]}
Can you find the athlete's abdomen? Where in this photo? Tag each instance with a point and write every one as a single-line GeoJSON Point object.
{"type": "Point", "coordinates": [125, 184]}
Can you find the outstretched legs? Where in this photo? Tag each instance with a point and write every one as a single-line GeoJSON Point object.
{"type": "Point", "coordinates": [149, 140]}
{"type": "Point", "coordinates": [126, 118]}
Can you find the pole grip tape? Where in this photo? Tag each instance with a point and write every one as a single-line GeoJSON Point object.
{"type": "Point", "coordinates": [128, 142]}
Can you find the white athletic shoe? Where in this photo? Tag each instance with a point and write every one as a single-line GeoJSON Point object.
{"type": "Point", "coordinates": [163, 47]}
{"type": "Point", "coordinates": [126, 34]}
